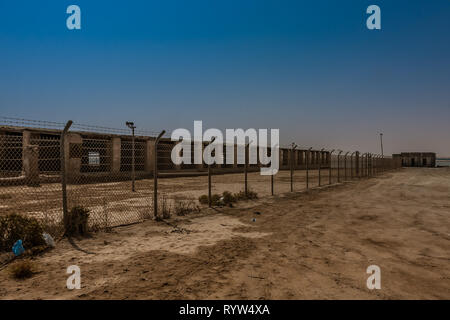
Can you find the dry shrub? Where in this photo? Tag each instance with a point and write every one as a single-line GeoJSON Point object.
{"type": "Point", "coordinates": [242, 196]}
{"type": "Point", "coordinates": [22, 269]}
{"type": "Point", "coordinates": [184, 207]}
{"type": "Point", "coordinates": [203, 199]}
{"type": "Point", "coordinates": [227, 198]}
{"type": "Point", "coordinates": [15, 227]}
{"type": "Point", "coordinates": [164, 207]}
{"type": "Point", "coordinates": [77, 221]}
{"type": "Point", "coordinates": [52, 225]}
{"type": "Point", "coordinates": [215, 199]}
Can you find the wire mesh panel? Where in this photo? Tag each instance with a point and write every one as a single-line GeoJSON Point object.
{"type": "Point", "coordinates": [29, 178]}
{"type": "Point", "coordinates": [48, 146]}
{"type": "Point", "coordinates": [10, 157]}
{"type": "Point", "coordinates": [180, 186]}
{"type": "Point", "coordinates": [164, 156]}
{"type": "Point", "coordinates": [107, 176]}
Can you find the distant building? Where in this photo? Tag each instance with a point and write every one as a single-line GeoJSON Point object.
{"type": "Point", "coordinates": [417, 159]}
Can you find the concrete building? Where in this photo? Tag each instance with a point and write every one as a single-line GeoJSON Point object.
{"type": "Point", "coordinates": [417, 159]}
{"type": "Point", "coordinates": [32, 156]}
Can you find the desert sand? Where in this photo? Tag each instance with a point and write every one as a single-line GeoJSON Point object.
{"type": "Point", "coordinates": [314, 244]}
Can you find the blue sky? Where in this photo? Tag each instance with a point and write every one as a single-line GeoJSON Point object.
{"type": "Point", "coordinates": [310, 68]}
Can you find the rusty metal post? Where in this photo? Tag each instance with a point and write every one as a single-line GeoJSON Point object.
{"type": "Point", "coordinates": [209, 179]}
{"type": "Point", "coordinates": [133, 173]}
{"type": "Point", "coordinates": [339, 166]}
{"type": "Point", "coordinates": [64, 174]}
{"type": "Point", "coordinates": [367, 165]}
{"type": "Point", "coordinates": [345, 165]}
{"type": "Point", "coordinates": [271, 184]}
{"type": "Point", "coordinates": [307, 157]}
{"type": "Point", "coordinates": [155, 176]}
{"type": "Point", "coordinates": [291, 162]}
{"type": "Point", "coordinates": [352, 174]}
{"type": "Point", "coordinates": [330, 169]}
{"type": "Point", "coordinates": [375, 162]}
{"type": "Point", "coordinates": [320, 162]}
{"type": "Point", "coordinates": [246, 155]}
{"type": "Point", "coordinates": [363, 165]}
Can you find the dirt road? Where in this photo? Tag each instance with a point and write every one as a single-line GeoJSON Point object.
{"type": "Point", "coordinates": [314, 245]}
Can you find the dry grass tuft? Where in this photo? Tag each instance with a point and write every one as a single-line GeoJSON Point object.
{"type": "Point", "coordinates": [23, 269]}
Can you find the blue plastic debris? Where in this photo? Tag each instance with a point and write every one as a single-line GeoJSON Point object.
{"type": "Point", "coordinates": [17, 248]}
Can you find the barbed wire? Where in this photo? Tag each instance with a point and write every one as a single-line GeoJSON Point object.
{"type": "Point", "coordinates": [43, 124]}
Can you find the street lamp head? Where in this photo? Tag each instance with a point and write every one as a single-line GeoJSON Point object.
{"type": "Point", "coordinates": [130, 124]}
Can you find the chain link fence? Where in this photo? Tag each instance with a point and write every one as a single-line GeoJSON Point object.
{"type": "Point", "coordinates": [125, 176]}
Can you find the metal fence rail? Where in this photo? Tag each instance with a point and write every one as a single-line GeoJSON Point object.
{"type": "Point", "coordinates": [45, 172]}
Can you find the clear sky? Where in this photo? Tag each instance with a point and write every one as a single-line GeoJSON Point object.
{"type": "Point", "coordinates": [310, 68]}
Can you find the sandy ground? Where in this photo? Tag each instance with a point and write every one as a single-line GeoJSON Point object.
{"type": "Point", "coordinates": [309, 245]}
{"type": "Point", "coordinates": [113, 203]}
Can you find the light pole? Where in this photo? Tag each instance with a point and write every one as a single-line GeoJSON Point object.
{"type": "Point", "coordinates": [132, 127]}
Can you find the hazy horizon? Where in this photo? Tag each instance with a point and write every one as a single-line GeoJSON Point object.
{"type": "Point", "coordinates": [313, 70]}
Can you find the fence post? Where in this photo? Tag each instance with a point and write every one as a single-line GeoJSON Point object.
{"type": "Point", "coordinates": [352, 173]}
{"type": "Point", "coordinates": [209, 179]}
{"type": "Point", "coordinates": [345, 166]}
{"type": "Point", "coordinates": [367, 165]}
{"type": "Point", "coordinates": [63, 173]}
{"type": "Point", "coordinates": [246, 155]}
{"type": "Point", "coordinates": [357, 168]}
{"type": "Point", "coordinates": [155, 176]}
{"type": "Point", "coordinates": [329, 173]}
{"type": "Point", "coordinates": [291, 162]}
{"type": "Point", "coordinates": [339, 167]}
{"type": "Point", "coordinates": [307, 157]}
{"type": "Point", "coordinates": [271, 184]}
{"type": "Point", "coordinates": [376, 164]}
{"type": "Point", "coordinates": [320, 162]}
{"type": "Point", "coordinates": [133, 173]}
{"type": "Point", "coordinates": [371, 165]}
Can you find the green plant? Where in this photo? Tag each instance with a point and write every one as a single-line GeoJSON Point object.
{"type": "Point", "coordinates": [22, 269]}
{"type": "Point", "coordinates": [14, 227]}
{"type": "Point", "coordinates": [77, 221]}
